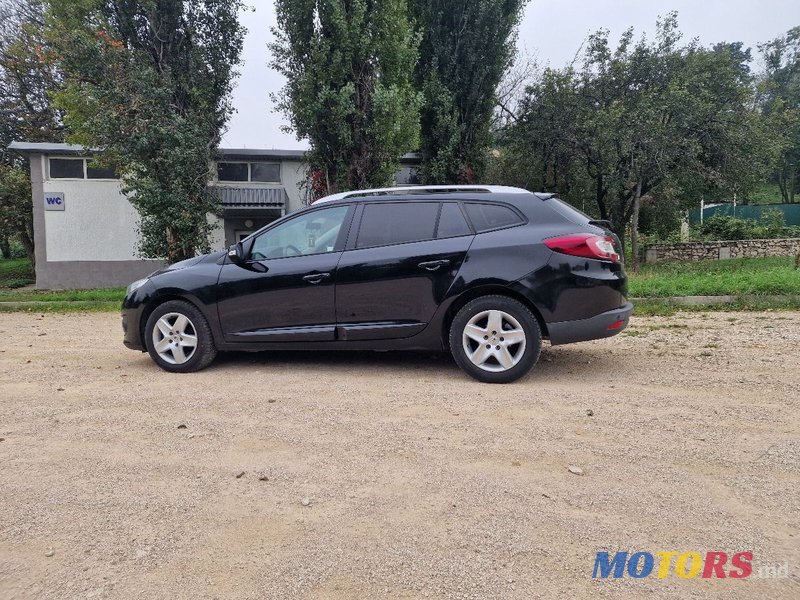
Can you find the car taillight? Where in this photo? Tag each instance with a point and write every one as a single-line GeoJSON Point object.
{"type": "Point", "coordinates": [585, 245]}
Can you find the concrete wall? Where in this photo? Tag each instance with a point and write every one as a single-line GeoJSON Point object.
{"type": "Point", "coordinates": [92, 242]}
{"type": "Point", "coordinates": [691, 251]}
{"type": "Point", "coordinates": [98, 223]}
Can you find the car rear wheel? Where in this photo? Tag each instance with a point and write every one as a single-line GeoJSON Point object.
{"type": "Point", "coordinates": [178, 338]}
{"type": "Point", "coordinates": [495, 339]}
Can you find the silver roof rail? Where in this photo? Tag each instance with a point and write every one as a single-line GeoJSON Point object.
{"type": "Point", "coordinates": [424, 189]}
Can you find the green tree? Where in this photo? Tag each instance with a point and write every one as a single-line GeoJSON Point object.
{"type": "Point", "coordinates": [148, 83]}
{"type": "Point", "coordinates": [780, 103]}
{"type": "Point", "coordinates": [349, 91]}
{"type": "Point", "coordinates": [27, 77]}
{"type": "Point", "coordinates": [639, 118]}
{"type": "Point", "coordinates": [467, 46]}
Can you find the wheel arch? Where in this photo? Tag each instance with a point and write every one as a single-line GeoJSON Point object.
{"type": "Point", "coordinates": [487, 290]}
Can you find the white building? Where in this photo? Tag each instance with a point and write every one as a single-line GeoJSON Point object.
{"type": "Point", "coordinates": [85, 229]}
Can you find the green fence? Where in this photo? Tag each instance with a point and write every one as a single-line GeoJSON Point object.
{"type": "Point", "coordinates": [791, 212]}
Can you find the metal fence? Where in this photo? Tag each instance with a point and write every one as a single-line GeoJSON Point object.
{"type": "Point", "coordinates": [791, 212]}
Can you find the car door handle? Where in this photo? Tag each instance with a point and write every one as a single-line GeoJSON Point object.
{"type": "Point", "coordinates": [316, 278]}
{"type": "Point", "coordinates": [432, 265]}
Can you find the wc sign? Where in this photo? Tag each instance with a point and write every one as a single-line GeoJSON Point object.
{"type": "Point", "coordinates": [54, 201]}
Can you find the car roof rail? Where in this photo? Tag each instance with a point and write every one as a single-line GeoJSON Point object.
{"type": "Point", "coordinates": [423, 189]}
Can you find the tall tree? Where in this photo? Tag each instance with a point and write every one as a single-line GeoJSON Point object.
{"type": "Point", "coordinates": [148, 83]}
{"type": "Point", "coordinates": [780, 103]}
{"type": "Point", "coordinates": [467, 46]}
{"type": "Point", "coordinates": [27, 77]}
{"type": "Point", "coordinates": [349, 91]}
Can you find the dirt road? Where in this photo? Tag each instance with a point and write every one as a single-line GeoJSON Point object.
{"type": "Point", "coordinates": [362, 475]}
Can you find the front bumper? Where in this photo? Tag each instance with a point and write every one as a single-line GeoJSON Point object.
{"type": "Point", "coordinates": [594, 328]}
{"type": "Point", "coordinates": [132, 310]}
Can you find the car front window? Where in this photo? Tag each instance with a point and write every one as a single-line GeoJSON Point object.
{"type": "Point", "coordinates": [311, 233]}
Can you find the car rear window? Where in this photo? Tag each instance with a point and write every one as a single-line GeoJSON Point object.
{"type": "Point", "coordinates": [568, 211]}
{"type": "Point", "coordinates": [397, 223]}
{"type": "Point", "coordinates": [452, 222]}
{"type": "Point", "coordinates": [486, 217]}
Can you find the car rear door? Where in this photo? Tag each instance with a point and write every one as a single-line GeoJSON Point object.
{"type": "Point", "coordinates": [398, 267]}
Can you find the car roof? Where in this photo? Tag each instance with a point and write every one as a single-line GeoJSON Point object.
{"type": "Point", "coordinates": [414, 192]}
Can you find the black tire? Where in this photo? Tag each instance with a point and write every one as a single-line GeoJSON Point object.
{"type": "Point", "coordinates": [202, 354]}
{"type": "Point", "coordinates": [520, 355]}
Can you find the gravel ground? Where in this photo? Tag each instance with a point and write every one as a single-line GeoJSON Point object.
{"type": "Point", "coordinates": [339, 475]}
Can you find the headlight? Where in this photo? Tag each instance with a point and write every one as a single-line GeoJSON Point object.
{"type": "Point", "coordinates": [135, 286]}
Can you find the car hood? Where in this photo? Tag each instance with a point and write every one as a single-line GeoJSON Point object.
{"type": "Point", "coordinates": [190, 262]}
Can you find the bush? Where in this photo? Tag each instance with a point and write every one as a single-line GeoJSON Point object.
{"type": "Point", "coordinates": [17, 250]}
{"type": "Point", "coordinates": [16, 283]}
{"type": "Point", "coordinates": [723, 227]}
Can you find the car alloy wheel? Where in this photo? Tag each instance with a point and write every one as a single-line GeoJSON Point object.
{"type": "Point", "coordinates": [494, 341]}
{"type": "Point", "coordinates": [175, 338]}
{"type": "Point", "coordinates": [178, 337]}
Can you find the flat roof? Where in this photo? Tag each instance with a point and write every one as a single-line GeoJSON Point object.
{"type": "Point", "coordinates": [229, 153]}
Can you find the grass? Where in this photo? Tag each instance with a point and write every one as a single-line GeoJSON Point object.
{"type": "Point", "coordinates": [15, 273]}
{"type": "Point", "coordinates": [59, 307]}
{"type": "Point", "coordinates": [114, 295]}
{"type": "Point", "coordinates": [655, 307]}
{"type": "Point", "coordinates": [774, 276]}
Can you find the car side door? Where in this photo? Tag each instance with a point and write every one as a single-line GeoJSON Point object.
{"type": "Point", "coordinates": [284, 290]}
{"type": "Point", "coordinates": [398, 267]}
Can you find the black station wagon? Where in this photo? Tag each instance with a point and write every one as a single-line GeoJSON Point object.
{"type": "Point", "coordinates": [485, 272]}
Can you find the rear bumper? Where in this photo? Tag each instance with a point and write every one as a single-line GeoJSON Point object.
{"type": "Point", "coordinates": [601, 326]}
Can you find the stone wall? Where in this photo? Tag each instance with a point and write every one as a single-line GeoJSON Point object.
{"type": "Point", "coordinates": [689, 251]}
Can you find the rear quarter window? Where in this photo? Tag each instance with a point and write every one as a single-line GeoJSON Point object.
{"type": "Point", "coordinates": [486, 217]}
{"type": "Point", "coordinates": [452, 222]}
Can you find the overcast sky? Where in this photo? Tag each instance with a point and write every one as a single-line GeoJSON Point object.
{"type": "Point", "coordinates": [552, 31]}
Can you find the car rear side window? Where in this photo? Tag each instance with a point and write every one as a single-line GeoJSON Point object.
{"type": "Point", "coordinates": [452, 222]}
{"type": "Point", "coordinates": [397, 223]}
{"type": "Point", "coordinates": [486, 217]}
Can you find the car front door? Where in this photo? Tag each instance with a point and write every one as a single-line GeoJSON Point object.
{"type": "Point", "coordinates": [402, 263]}
{"type": "Point", "coordinates": [284, 290]}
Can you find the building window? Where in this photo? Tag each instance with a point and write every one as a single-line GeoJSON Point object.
{"type": "Point", "coordinates": [232, 171]}
{"type": "Point", "coordinates": [265, 172]}
{"type": "Point", "coordinates": [249, 172]}
{"type": "Point", "coordinates": [98, 172]}
{"type": "Point", "coordinates": [80, 168]}
{"type": "Point", "coordinates": [66, 168]}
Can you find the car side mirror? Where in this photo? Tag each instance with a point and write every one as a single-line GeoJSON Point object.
{"type": "Point", "coordinates": [236, 254]}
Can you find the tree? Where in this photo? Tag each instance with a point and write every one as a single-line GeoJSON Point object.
{"type": "Point", "coordinates": [349, 89]}
{"type": "Point", "coordinates": [467, 46]}
{"type": "Point", "coordinates": [780, 103]}
{"type": "Point", "coordinates": [27, 77]}
{"type": "Point", "coordinates": [148, 84]}
{"type": "Point", "coordinates": [639, 118]}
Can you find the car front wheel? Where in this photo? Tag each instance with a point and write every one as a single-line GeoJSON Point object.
{"type": "Point", "coordinates": [178, 338]}
{"type": "Point", "coordinates": [495, 339]}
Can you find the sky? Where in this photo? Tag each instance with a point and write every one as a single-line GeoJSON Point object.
{"type": "Point", "coordinates": [551, 31]}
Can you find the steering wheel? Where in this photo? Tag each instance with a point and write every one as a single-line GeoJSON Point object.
{"type": "Point", "coordinates": [295, 251]}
